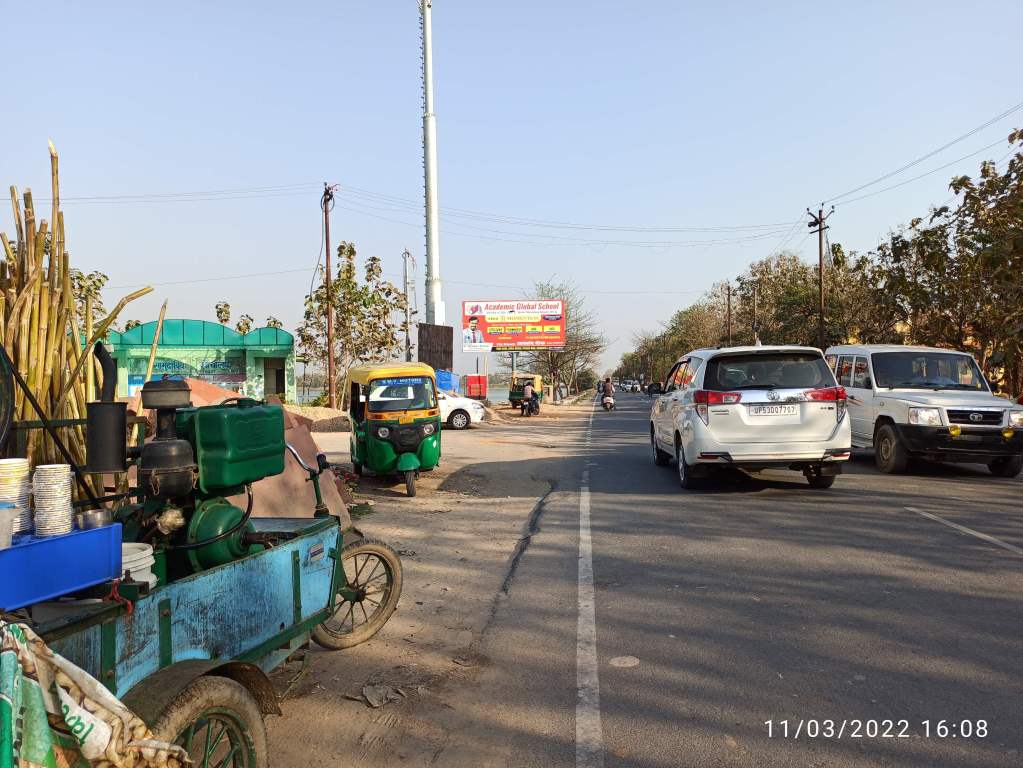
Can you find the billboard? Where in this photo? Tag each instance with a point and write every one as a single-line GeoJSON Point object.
{"type": "Point", "coordinates": [517, 324]}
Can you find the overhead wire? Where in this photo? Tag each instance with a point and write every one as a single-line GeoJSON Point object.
{"type": "Point", "coordinates": [932, 153]}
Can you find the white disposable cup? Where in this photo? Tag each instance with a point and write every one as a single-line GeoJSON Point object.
{"type": "Point", "coordinates": [7, 518]}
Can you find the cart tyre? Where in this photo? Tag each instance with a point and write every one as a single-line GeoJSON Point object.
{"type": "Point", "coordinates": [338, 638]}
{"type": "Point", "coordinates": [215, 704]}
{"type": "Point", "coordinates": [410, 482]}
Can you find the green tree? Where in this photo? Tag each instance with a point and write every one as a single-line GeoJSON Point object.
{"type": "Point", "coordinates": [244, 324]}
{"type": "Point", "coordinates": [273, 322]}
{"type": "Point", "coordinates": [88, 286]}
{"type": "Point", "coordinates": [368, 315]}
{"type": "Point", "coordinates": [223, 312]}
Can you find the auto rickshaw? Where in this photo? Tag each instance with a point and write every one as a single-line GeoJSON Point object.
{"type": "Point", "coordinates": [395, 420]}
{"type": "Point", "coordinates": [518, 384]}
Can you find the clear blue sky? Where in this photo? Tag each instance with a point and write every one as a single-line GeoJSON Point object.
{"type": "Point", "coordinates": [675, 115]}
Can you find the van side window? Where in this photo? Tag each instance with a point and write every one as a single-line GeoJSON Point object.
{"type": "Point", "coordinates": [861, 374]}
{"type": "Point", "coordinates": [845, 369]}
{"type": "Point", "coordinates": [681, 376]}
{"type": "Point", "coordinates": [670, 378]}
{"type": "Point", "coordinates": [691, 370]}
{"type": "Point", "coordinates": [832, 361]}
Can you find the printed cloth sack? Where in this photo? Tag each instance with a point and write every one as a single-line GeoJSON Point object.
{"type": "Point", "coordinates": [55, 715]}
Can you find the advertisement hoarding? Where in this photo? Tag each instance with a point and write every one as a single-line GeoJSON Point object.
{"type": "Point", "coordinates": [516, 324]}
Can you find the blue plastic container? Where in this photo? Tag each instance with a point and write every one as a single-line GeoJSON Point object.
{"type": "Point", "coordinates": [36, 569]}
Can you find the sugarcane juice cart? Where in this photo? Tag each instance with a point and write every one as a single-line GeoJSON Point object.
{"type": "Point", "coordinates": [188, 644]}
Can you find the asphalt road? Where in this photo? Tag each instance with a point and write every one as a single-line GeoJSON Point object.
{"type": "Point", "coordinates": [859, 616]}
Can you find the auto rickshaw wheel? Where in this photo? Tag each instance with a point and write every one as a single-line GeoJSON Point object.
{"type": "Point", "coordinates": [218, 723]}
{"type": "Point", "coordinates": [357, 468]}
{"type": "Point", "coordinates": [410, 482]}
{"type": "Point", "coordinates": [373, 571]}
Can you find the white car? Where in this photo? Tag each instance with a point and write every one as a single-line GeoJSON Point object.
{"type": "Point", "coordinates": [459, 412]}
{"type": "Point", "coordinates": [752, 408]}
{"type": "Point", "coordinates": [933, 403]}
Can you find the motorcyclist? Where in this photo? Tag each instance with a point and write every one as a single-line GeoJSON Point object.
{"type": "Point", "coordinates": [528, 396]}
{"type": "Point", "coordinates": [608, 388]}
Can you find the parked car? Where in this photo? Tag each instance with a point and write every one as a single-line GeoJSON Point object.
{"type": "Point", "coordinates": [932, 403]}
{"type": "Point", "coordinates": [459, 412]}
{"type": "Point", "coordinates": [751, 407]}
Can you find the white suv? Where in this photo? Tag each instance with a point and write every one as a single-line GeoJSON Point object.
{"type": "Point", "coordinates": [921, 401]}
{"type": "Point", "coordinates": [751, 407]}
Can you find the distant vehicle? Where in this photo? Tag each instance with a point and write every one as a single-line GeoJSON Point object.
{"type": "Point", "coordinates": [608, 403]}
{"type": "Point", "coordinates": [459, 412]}
{"type": "Point", "coordinates": [927, 402]}
{"type": "Point", "coordinates": [518, 384]}
{"type": "Point", "coordinates": [753, 408]}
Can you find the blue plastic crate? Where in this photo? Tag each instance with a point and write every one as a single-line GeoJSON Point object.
{"type": "Point", "coordinates": [42, 568]}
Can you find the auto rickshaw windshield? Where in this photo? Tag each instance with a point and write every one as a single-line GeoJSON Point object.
{"type": "Point", "coordinates": [406, 393]}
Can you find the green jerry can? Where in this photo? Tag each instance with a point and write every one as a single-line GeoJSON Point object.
{"type": "Point", "coordinates": [235, 443]}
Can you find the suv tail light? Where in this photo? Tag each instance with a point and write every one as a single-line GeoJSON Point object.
{"type": "Point", "coordinates": [704, 398]}
{"type": "Point", "coordinates": [834, 395]}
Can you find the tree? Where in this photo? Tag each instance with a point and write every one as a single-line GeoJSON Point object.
{"type": "Point", "coordinates": [273, 322]}
{"type": "Point", "coordinates": [88, 287]}
{"type": "Point", "coordinates": [583, 340]}
{"type": "Point", "coordinates": [223, 310]}
{"type": "Point", "coordinates": [368, 314]}
{"type": "Point", "coordinates": [131, 324]}
{"type": "Point", "coordinates": [244, 324]}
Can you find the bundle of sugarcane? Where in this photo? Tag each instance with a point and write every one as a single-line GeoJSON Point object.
{"type": "Point", "coordinates": [39, 322]}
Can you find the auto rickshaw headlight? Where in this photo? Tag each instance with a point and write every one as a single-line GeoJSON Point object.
{"type": "Point", "coordinates": [383, 432]}
{"type": "Point", "coordinates": [428, 429]}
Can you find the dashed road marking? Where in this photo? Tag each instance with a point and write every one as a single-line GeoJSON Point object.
{"type": "Point", "coordinates": [969, 531]}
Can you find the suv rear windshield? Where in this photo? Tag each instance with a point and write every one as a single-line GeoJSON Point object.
{"type": "Point", "coordinates": [767, 370]}
{"type": "Point", "coordinates": [405, 393]}
{"type": "Point", "coordinates": [927, 370]}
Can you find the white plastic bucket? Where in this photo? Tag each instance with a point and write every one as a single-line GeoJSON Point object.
{"type": "Point", "coordinates": [138, 558]}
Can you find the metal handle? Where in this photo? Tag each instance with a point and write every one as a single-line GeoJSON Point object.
{"type": "Point", "coordinates": [306, 467]}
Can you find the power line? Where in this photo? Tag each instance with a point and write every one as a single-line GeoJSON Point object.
{"type": "Point", "coordinates": [924, 175]}
{"type": "Point", "coordinates": [930, 154]}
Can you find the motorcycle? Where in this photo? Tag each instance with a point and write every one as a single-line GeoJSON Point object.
{"type": "Point", "coordinates": [608, 402]}
{"type": "Point", "coordinates": [531, 407]}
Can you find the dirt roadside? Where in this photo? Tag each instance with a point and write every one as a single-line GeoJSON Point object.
{"type": "Point", "coordinates": [458, 538]}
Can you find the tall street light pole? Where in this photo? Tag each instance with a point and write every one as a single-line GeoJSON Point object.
{"type": "Point", "coordinates": [818, 223]}
{"type": "Point", "coordinates": [327, 203]}
{"type": "Point", "coordinates": [434, 301]}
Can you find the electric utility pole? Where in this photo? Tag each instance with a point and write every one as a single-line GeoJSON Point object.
{"type": "Point", "coordinates": [409, 288]}
{"type": "Point", "coordinates": [728, 312]}
{"type": "Point", "coordinates": [434, 301]}
{"type": "Point", "coordinates": [756, 321]}
{"type": "Point", "coordinates": [327, 204]}
{"type": "Point", "coordinates": [818, 222]}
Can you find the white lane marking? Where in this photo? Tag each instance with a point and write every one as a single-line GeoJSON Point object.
{"type": "Point", "coordinates": [589, 738]}
{"type": "Point", "coordinates": [963, 529]}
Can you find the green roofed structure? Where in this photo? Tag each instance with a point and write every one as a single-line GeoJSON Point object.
{"type": "Point", "coordinates": [256, 364]}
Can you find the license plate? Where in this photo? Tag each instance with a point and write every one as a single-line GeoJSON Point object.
{"type": "Point", "coordinates": [773, 410]}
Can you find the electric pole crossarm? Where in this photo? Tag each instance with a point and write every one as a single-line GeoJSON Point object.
{"type": "Point", "coordinates": [816, 224]}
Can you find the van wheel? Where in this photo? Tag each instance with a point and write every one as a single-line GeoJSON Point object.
{"type": "Point", "coordinates": [661, 458]}
{"type": "Point", "coordinates": [889, 454]}
{"type": "Point", "coordinates": [1006, 466]}
{"type": "Point", "coordinates": [685, 472]}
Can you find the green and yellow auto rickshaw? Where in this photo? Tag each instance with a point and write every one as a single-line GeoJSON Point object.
{"type": "Point", "coordinates": [395, 420]}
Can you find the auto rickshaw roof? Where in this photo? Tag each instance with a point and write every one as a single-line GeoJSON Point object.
{"type": "Point", "coordinates": [363, 374]}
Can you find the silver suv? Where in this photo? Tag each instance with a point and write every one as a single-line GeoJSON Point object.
{"type": "Point", "coordinates": [751, 407]}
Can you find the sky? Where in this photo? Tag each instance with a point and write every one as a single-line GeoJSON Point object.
{"type": "Point", "coordinates": [692, 117]}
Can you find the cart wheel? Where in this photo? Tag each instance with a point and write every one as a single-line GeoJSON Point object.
{"type": "Point", "coordinates": [373, 570]}
{"type": "Point", "coordinates": [218, 723]}
{"type": "Point", "coordinates": [410, 482]}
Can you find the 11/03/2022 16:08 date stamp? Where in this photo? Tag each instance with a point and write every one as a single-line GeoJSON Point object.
{"type": "Point", "coordinates": [827, 728]}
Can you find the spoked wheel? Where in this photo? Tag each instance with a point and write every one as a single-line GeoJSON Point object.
{"type": "Point", "coordinates": [218, 723]}
{"type": "Point", "coordinates": [459, 420]}
{"type": "Point", "coordinates": [410, 482]}
{"type": "Point", "coordinates": [373, 571]}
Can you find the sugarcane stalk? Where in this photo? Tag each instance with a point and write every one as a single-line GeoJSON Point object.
{"type": "Point", "coordinates": [90, 371]}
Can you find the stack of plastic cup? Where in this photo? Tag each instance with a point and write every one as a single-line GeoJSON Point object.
{"type": "Point", "coordinates": [15, 488]}
{"type": "Point", "coordinates": [51, 491]}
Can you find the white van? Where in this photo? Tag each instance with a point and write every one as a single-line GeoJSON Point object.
{"type": "Point", "coordinates": [933, 403]}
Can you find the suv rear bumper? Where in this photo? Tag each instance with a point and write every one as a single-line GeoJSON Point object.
{"type": "Point", "coordinates": [971, 446]}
